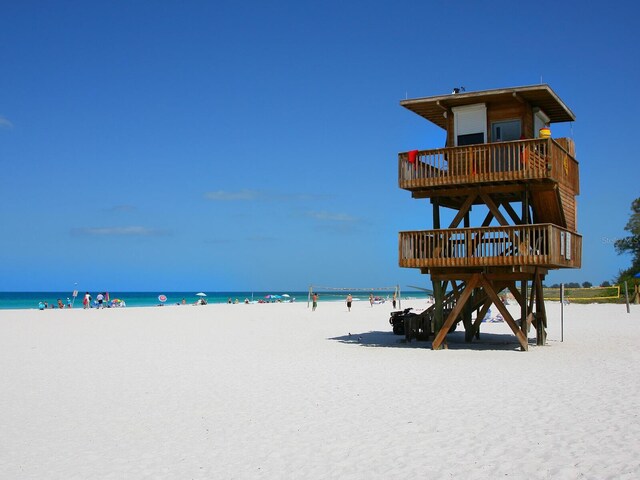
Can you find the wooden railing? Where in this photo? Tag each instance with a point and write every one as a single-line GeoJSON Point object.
{"type": "Point", "coordinates": [489, 162]}
{"type": "Point", "coordinates": [524, 245]}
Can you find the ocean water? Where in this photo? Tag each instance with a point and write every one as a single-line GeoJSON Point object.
{"type": "Point", "coordinates": [27, 300]}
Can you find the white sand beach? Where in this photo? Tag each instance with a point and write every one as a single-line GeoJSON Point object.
{"type": "Point", "coordinates": [276, 391]}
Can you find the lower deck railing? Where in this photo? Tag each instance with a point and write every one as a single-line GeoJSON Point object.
{"type": "Point", "coordinates": [544, 245]}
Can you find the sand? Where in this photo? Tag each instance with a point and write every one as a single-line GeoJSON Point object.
{"type": "Point", "coordinates": [279, 392]}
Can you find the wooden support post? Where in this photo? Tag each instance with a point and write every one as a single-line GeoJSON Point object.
{"type": "Point", "coordinates": [438, 310]}
{"type": "Point", "coordinates": [530, 307]}
{"type": "Point", "coordinates": [466, 318]}
{"type": "Point", "coordinates": [442, 332]}
{"type": "Point", "coordinates": [541, 313]}
{"type": "Point", "coordinates": [524, 292]}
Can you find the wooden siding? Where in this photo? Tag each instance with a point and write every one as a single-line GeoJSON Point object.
{"type": "Point", "coordinates": [512, 110]}
{"type": "Point", "coordinates": [544, 245]}
{"type": "Point", "coordinates": [568, 202]}
{"type": "Point", "coordinates": [564, 167]}
{"type": "Point", "coordinates": [548, 208]}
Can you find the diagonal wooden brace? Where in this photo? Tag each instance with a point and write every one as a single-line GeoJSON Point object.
{"type": "Point", "coordinates": [460, 302]}
{"type": "Point", "coordinates": [488, 288]}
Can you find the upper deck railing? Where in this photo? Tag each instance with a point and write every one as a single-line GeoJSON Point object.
{"type": "Point", "coordinates": [518, 160]}
{"type": "Point", "coordinates": [544, 245]}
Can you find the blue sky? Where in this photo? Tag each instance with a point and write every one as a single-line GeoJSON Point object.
{"type": "Point", "coordinates": [225, 145]}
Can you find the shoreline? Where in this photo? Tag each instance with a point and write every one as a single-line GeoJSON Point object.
{"type": "Point", "coordinates": [30, 300]}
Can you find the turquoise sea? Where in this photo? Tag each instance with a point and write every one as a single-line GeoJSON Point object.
{"type": "Point", "coordinates": [27, 300]}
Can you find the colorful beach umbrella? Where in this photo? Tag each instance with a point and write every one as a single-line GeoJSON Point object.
{"type": "Point", "coordinates": [162, 298]}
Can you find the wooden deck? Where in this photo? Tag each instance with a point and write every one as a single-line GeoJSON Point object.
{"type": "Point", "coordinates": [492, 163]}
{"type": "Point", "coordinates": [541, 245]}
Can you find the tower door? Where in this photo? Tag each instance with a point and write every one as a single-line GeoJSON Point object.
{"type": "Point", "coordinates": [505, 158]}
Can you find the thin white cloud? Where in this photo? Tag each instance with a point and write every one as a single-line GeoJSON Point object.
{"type": "Point", "coordinates": [340, 223]}
{"type": "Point", "coordinates": [132, 231]}
{"type": "Point", "coordinates": [332, 217]}
{"type": "Point", "coordinates": [5, 122]}
{"type": "Point", "coordinates": [248, 195]}
{"type": "Point", "coordinates": [227, 196]}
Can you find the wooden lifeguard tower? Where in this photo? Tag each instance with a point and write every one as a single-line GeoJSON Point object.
{"type": "Point", "coordinates": [499, 159]}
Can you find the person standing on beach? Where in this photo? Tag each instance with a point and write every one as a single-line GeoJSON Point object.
{"type": "Point", "coordinates": [371, 299]}
{"type": "Point", "coordinates": [100, 298]}
{"type": "Point", "coordinates": [86, 301]}
{"type": "Point", "coordinates": [394, 300]}
{"type": "Point", "coordinates": [315, 302]}
{"type": "Point", "coordinates": [349, 300]}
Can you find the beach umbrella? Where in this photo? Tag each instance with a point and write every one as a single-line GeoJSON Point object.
{"type": "Point", "coordinates": [286, 295]}
{"type": "Point", "coordinates": [200, 294]}
{"type": "Point", "coordinates": [162, 298]}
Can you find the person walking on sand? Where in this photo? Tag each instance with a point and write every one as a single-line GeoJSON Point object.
{"type": "Point", "coordinates": [371, 299]}
{"type": "Point", "coordinates": [394, 300]}
{"type": "Point", "coordinates": [349, 300]}
{"type": "Point", "coordinates": [315, 302]}
{"type": "Point", "coordinates": [86, 301]}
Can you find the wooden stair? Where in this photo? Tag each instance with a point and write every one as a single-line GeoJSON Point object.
{"type": "Point", "coordinates": [421, 326]}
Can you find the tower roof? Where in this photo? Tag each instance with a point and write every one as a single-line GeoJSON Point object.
{"type": "Point", "coordinates": [541, 96]}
